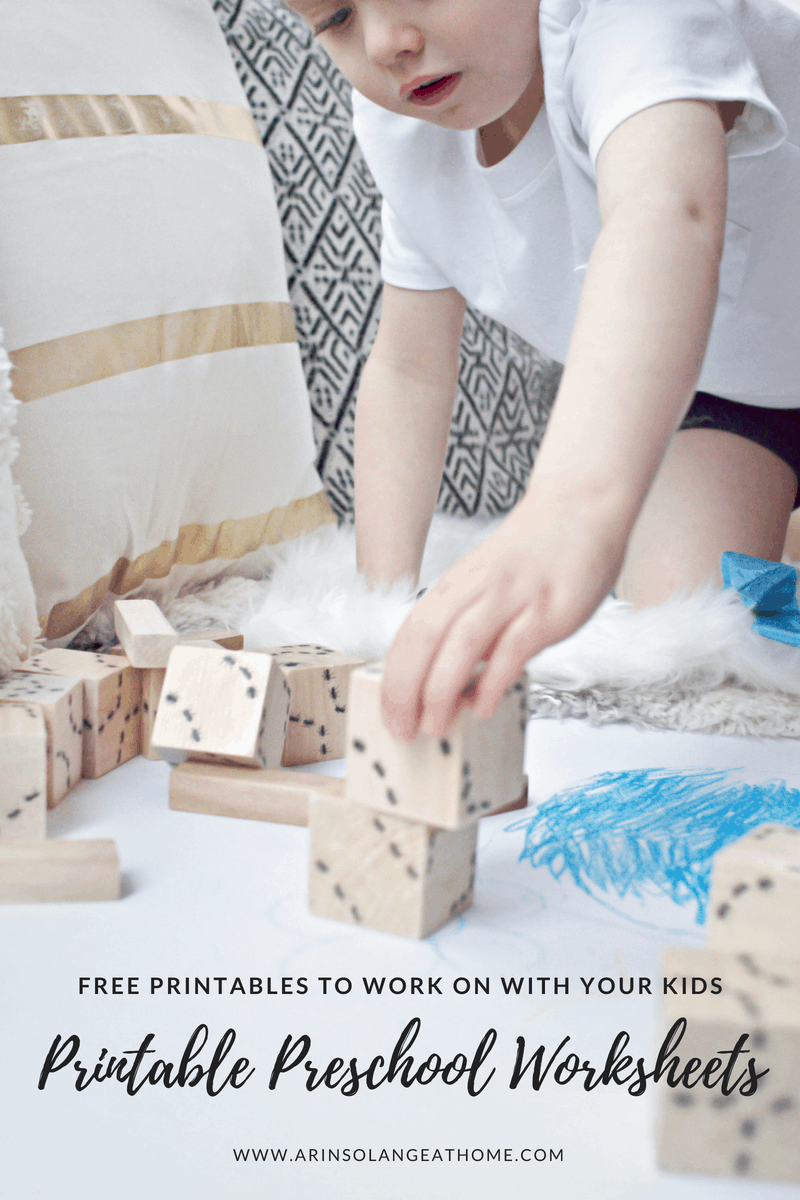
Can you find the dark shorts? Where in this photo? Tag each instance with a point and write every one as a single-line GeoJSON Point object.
{"type": "Point", "coordinates": [777, 429]}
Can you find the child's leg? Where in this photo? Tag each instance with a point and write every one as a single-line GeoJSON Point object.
{"type": "Point", "coordinates": [715, 491]}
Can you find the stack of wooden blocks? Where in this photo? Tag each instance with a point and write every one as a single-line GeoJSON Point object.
{"type": "Point", "coordinates": [398, 854]}
{"type": "Point", "coordinates": [754, 950]}
{"type": "Point", "coordinates": [67, 715]}
{"type": "Point", "coordinates": [64, 714]}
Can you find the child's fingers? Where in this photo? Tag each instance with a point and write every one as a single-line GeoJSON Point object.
{"type": "Point", "coordinates": [410, 657]}
{"type": "Point", "coordinates": [519, 641]}
{"type": "Point", "coordinates": [467, 641]}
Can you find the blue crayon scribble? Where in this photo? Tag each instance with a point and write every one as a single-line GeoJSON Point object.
{"type": "Point", "coordinates": [634, 831]}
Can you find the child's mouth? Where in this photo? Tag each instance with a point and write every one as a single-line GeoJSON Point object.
{"type": "Point", "coordinates": [434, 90]}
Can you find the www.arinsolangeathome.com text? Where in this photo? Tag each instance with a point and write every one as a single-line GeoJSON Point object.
{"type": "Point", "coordinates": [424, 1154]}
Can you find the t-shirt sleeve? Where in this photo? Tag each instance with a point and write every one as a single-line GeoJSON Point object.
{"type": "Point", "coordinates": [629, 55]}
{"type": "Point", "coordinates": [402, 262]}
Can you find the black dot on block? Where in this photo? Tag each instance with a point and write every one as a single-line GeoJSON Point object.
{"type": "Point", "coordinates": [782, 1104]}
{"type": "Point", "coordinates": [765, 883]}
{"type": "Point", "coordinates": [379, 769]}
{"type": "Point", "coordinates": [308, 722]}
{"type": "Point", "coordinates": [356, 914]}
{"type": "Point", "coordinates": [445, 746]}
{"type": "Point", "coordinates": [251, 692]}
{"type": "Point", "coordinates": [748, 1128]}
{"type": "Point", "coordinates": [321, 866]}
{"type": "Point", "coordinates": [339, 891]}
{"type": "Point", "coordinates": [379, 825]}
{"type": "Point", "coordinates": [195, 735]}
{"type": "Point", "coordinates": [171, 698]}
{"type": "Point", "coordinates": [390, 796]}
{"type": "Point", "coordinates": [30, 796]}
{"type": "Point", "coordinates": [357, 745]}
{"type": "Point", "coordinates": [230, 660]}
{"type": "Point", "coordinates": [740, 887]}
{"type": "Point", "coordinates": [683, 1100]}
{"type": "Point", "coordinates": [395, 849]}
{"type": "Point", "coordinates": [759, 1039]}
{"type": "Point", "coordinates": [410, 871]}
{"type": "Point", "coordinates": [187, 714]}
{"type": "Point", "coordinates": [741, 1164]}
{"type": "Point", "coordinates": [723, 910]}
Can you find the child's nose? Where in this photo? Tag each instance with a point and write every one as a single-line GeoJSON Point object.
{"type": "Point", "coordinates": [389, 39]}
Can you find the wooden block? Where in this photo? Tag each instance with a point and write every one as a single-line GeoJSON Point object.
{"type": "Point", "coordinates": [144, 632]}
{"type": "Point", "coordinates": [214, 633]}
{"type": "Point", "coordinates": [61, 702]}
{"type": "Point", "coordinates": [222, 704]}
{"type": "Point", "coordinates": [383, 872]}
{"type": "Point", "coordinates": [36, 871]}
{"type": "Point", "coordinates": [112, 704]}
{"type": "Point", "coordinates": [23, 772]}
{"type": "Point", "coordinates": [515, 805]}
{"type": "Point", "coordinates": [451, 781]}
{"type": "Point", "coordinates": [755, 893]}
{"type": "Point", "coordinates": [268, 794]}
{"type": "Point", "coordinates": [319, 681]}
{"type": "Point", "coordinates": [745, 1136]}
{"type": "Point", "coordinates": [152, 683]}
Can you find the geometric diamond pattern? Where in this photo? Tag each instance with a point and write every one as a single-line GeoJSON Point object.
{"type": "Point", "coordinates": [330, 213]}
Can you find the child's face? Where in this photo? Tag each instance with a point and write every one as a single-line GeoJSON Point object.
{"type": "Point", "coordinates": [457, 63]}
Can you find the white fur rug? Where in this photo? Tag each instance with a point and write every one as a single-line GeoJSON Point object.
{"type": "Point", "coordinates": [693, 663]}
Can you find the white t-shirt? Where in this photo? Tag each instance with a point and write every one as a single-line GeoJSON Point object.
{"type": "Point", "coordinates": [515, 238]}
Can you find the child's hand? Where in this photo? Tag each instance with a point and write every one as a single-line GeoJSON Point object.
{"type": "Point", "coordinates": [532, 583]}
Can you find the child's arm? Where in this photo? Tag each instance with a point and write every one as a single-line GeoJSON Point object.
{"type": "Point", "coordinates": [636, 352]}
{"type": "Point", "coordinates": [405, 403]}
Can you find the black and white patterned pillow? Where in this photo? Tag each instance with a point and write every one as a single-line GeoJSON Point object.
{"type": "Point", "coordinates": [330, 211]}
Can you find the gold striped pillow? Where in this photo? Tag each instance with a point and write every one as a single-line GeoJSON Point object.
{"type": "Point", "coordinates": [165, 431]}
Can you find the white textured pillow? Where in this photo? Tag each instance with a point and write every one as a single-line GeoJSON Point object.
{"type": "Point", "coordinates": [165, 430]}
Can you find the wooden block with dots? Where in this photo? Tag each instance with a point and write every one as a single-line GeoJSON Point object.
{"type": "Point", "coordinates": [701, 1128]}
{"type": "Point", "coordinates": [23, 772]}
{"type": "Point", "coordinates": [61, 702]}
{"type": "Point", "coordinates": [319, 681]}
{"type": "Point", "coordinates": [231, 705]}
{"type": "Point", "coordinates": [383, 872]}
{"type": "Point", "coordinates": [112, 704]}
{"type": "Point", "coordinates": [448, 782]}
{"type": "Point", "coordinates": [755, 893]}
